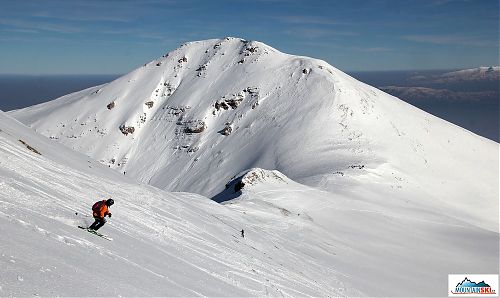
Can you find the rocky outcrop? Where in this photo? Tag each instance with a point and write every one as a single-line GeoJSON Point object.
{"type": "Point", "coordinates": [29, 147]}
{"type": "Point", "coordinates": [194, 126]}
{"type": "Point", "coordinates": [127, 129]}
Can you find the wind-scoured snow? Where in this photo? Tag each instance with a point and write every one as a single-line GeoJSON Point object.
{"type": "Point", "coordinates": [358, 191]}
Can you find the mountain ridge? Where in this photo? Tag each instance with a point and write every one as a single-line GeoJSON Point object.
{"type": "Point", "coordinates": [225, 106]}
{"type": "Point", "coordinates": [344, 187]}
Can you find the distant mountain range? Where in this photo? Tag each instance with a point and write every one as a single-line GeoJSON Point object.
{"type": "Point", "coordinates": [425, 94]}
{"type": "Point", "coordinates": [483, 73]}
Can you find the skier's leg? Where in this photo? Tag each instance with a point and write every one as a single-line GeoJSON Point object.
{"type": "Point", "coordinates": [100, 223]}
{"type": "Point", "coordinates": [93, 226]}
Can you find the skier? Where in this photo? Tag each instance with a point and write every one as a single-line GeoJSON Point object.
{"type": "Point", "coordinates": [99, 210]}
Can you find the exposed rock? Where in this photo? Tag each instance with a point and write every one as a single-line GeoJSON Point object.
{"type": "Point", "coordinates": [253, 177]}
{"type": "Point", "coordinates": [251, 50]}
{"type": "Point", "coordinates": [149, 104]}
{"type": "Point", "coordinates": [127, 129]}
{"type": "Point", "coordinates": [194, 126]}
{"type": "Point", "coordinates": [29, 147]}
{"type": "Point", "coordinates": [227, 130]}
{"type": "Point", "coordinates": [176, 111]}
{"type": "Point", "coordinates": [169, 90]}
{"type": "Point", "coordinates": [110, 105]}
{"type": "Point", "coordinates": [359, 167]}
{"type": "Point", "coordinates": [232, 102]}
{"type": "Point", "coordinates": [239, 186]}
{"type": "Point", "coordinates": [221, 105]}
{"type": "Point", "coordinates": [252, 90]}
{"type": "Point", "coordinates": [202, 68]}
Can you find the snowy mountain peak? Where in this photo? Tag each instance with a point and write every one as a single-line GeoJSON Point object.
{"type": "Point", "coordinates": [359, 185]}
{"type": "Point", "coordinates": [482, 73]}
{"type": "Point", "coordinates": [188, 106]}
{"type": "Point", "coordinates": [204, 53]}
{"type": "Point", "coordinates": [191, 120]}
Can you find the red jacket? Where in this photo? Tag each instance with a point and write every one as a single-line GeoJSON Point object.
{"type": "Point", "coordinates": [100, 209]}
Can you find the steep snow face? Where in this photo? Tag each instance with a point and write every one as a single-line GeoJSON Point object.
{"type": "Point", "coordinates": [203, 113]}
{"type": "Point", "coordinates": [164, 244]}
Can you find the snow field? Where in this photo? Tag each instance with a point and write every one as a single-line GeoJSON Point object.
{"type": "Point", "coordinates": [165, 244]}
{"type": "Point", "coordinates": [371, 196]}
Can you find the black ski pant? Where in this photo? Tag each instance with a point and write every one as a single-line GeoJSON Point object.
{"type": "Point", "coordinates": [99, 222]}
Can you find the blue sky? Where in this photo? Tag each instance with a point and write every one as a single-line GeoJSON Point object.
{"type": "Point", "coordinates": [113, 37]}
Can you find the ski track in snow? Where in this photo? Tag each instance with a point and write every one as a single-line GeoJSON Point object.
{"type": "Point", "coordinates": [44, 209]}
{"type": "Point", "coordinates": [380, 194]}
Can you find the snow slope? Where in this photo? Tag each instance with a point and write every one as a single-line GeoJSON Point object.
{"type": "Point", "coordinates": [191, 120]}
{"type": "Point", "coordinates": [403, 252]}
{"type": "Point", "coordinates": [165, 244]}
{"type": "Point", "coordinates": [299, 241]}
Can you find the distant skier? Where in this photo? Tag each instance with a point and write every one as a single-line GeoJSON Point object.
{"type": "Point", "coordinates": [99, 210]}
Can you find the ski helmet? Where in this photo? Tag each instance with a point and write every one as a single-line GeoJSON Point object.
{"type": "Point", "coordinates": [110, 202]}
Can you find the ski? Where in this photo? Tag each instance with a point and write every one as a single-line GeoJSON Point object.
{"type": "Point", "coordinates": [96, 233]}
